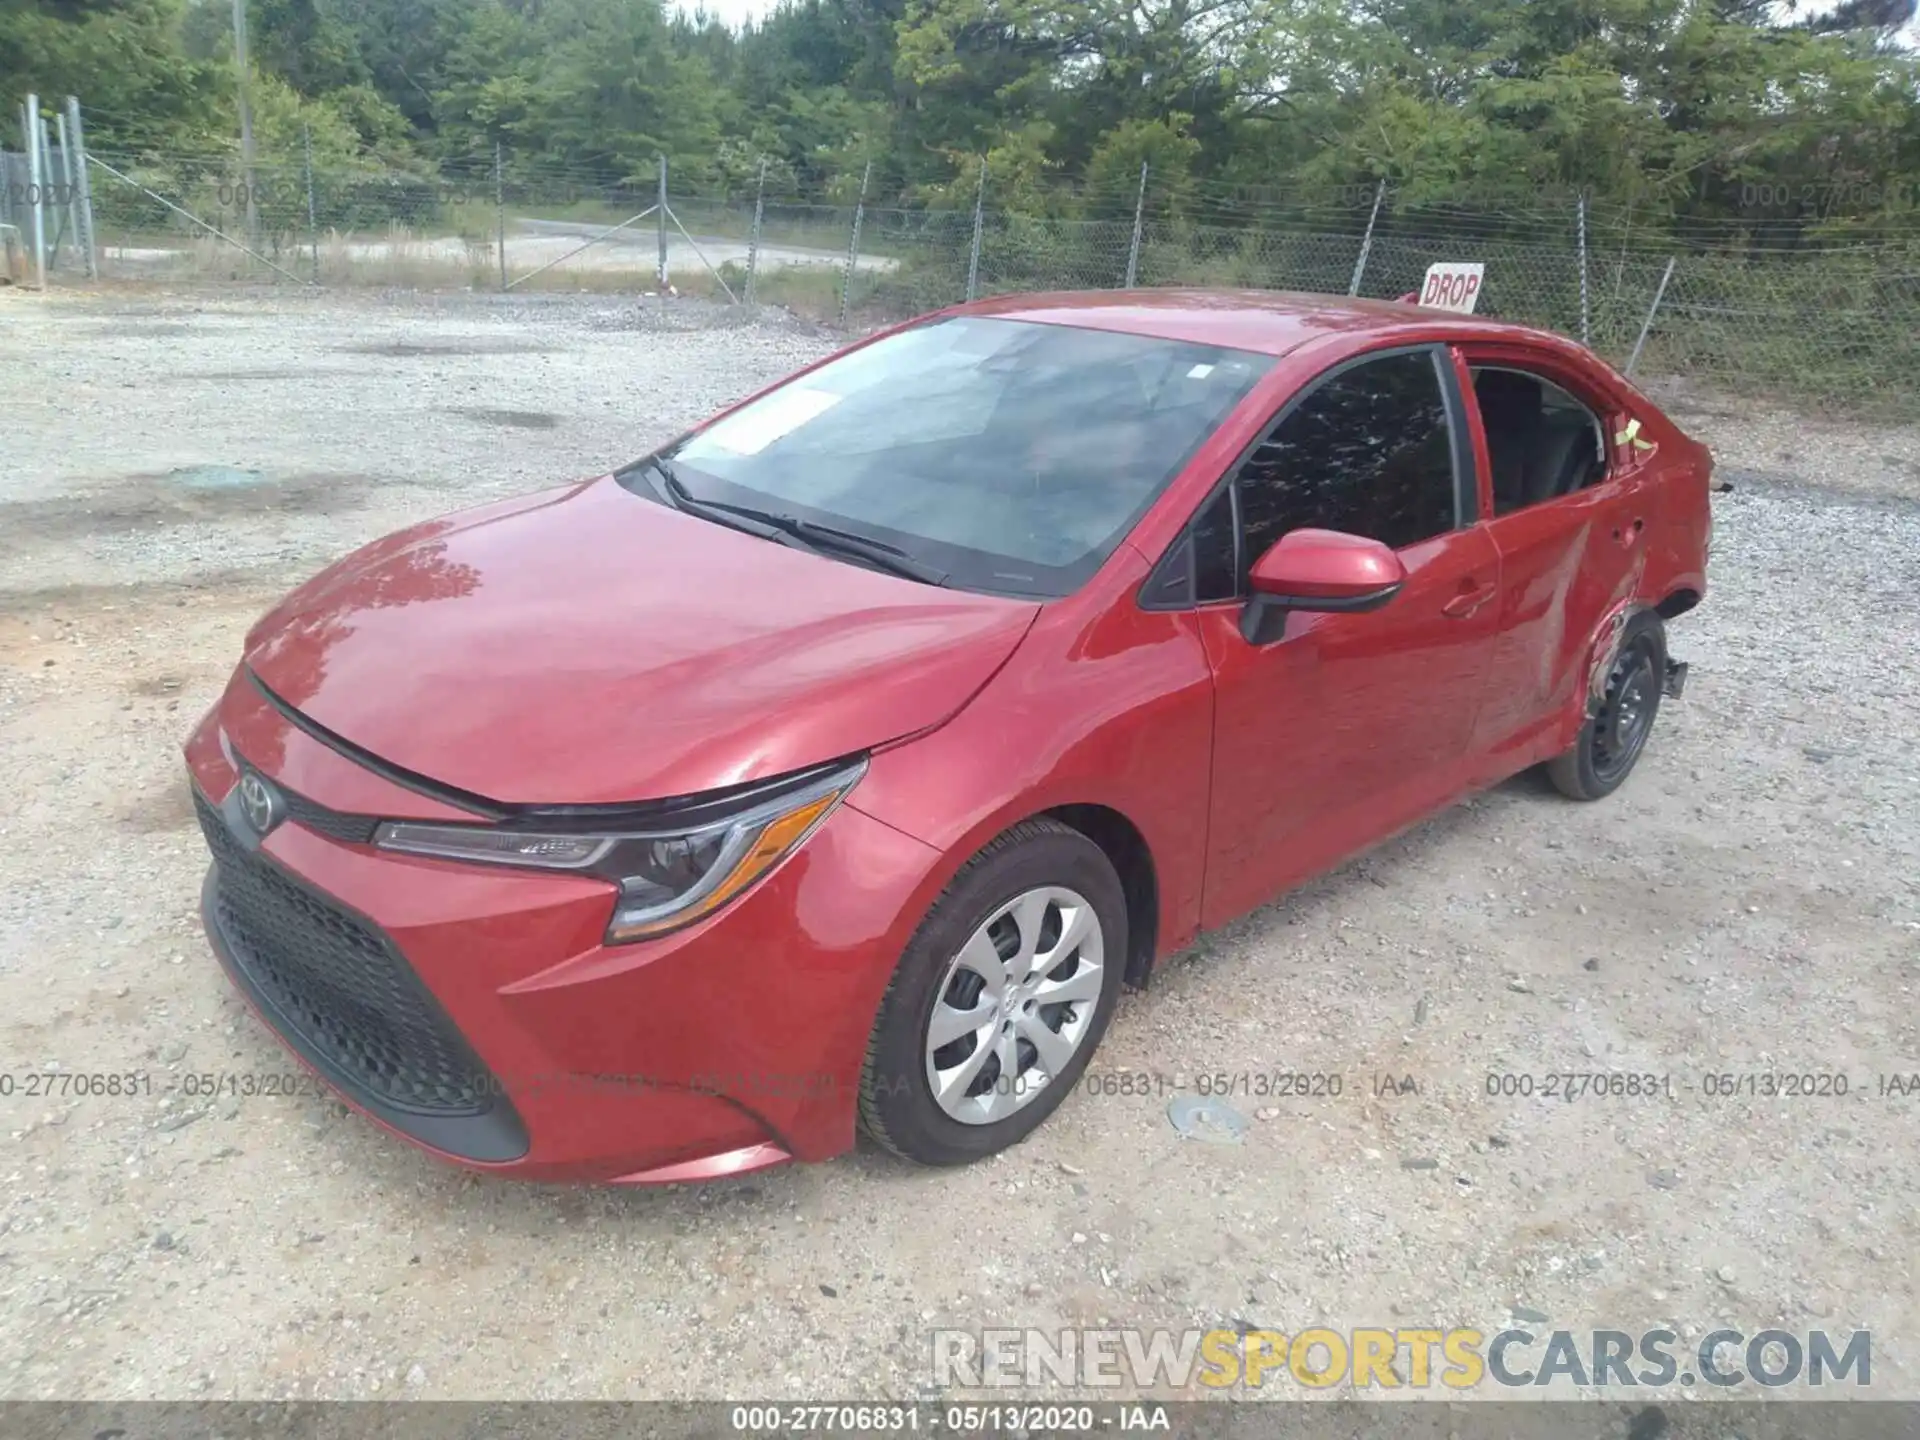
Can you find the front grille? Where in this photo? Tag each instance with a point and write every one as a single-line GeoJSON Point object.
{"type": "Point", "coordinates": [334, 824]}
{"type": "Point", "coordinates": [341, 985]}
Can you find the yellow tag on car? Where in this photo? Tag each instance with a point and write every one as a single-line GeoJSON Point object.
{"type": "Point", "coordinates": [1632, 433]}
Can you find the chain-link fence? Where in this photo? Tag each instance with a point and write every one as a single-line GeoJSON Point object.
{"type": "Point", "coordinates": [1825, 323]}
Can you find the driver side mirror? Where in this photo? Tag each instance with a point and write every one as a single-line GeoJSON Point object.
{"type": "Point", "coordinates": [1317, 570]}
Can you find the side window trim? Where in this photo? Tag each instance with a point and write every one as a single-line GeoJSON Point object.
{"type": "Point", "coordinates": [1466, 469]}
{"type": "Point", "coordinates": [1543, 366]}
{"type": "Point", "coordinates": [1240, 559]}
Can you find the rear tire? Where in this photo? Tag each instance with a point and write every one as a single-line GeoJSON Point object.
{"type": "Point", "coordinates": [1610, 743]}
{"type": "Point", "coordinates": [1000, 999]}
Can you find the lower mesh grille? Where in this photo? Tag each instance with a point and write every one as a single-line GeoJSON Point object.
{"type": "Point", "coordinates": [341, 984]}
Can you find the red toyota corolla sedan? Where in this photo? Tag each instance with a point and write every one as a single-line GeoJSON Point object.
{"type": "Point", "coordinates": [836, 764]}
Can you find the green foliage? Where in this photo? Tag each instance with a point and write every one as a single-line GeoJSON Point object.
{"type": "Point", "coordinates": [1671, 107]}
{"type": "Point", "coordinates": [1163, 146]}
{"type": "Point", "coordinates": [125, 58]}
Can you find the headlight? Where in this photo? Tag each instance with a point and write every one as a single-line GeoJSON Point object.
{"type": "Point", "coordinates": [666, 878]}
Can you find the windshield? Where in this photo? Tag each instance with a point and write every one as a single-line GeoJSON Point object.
{"type": "Point", "coordinates": [1012, 456]}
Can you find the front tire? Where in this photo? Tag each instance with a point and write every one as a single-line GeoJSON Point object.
{"type": "Point", "coordinates": [1000, 999]}
{"type": "Point", "coordinates": [1610, 743]}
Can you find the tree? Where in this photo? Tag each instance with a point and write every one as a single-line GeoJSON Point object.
{"type": "Point", "coordinates": [125, 57]}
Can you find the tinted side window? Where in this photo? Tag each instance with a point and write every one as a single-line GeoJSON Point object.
{"type": "Point", "coordinates": [1214, 577]}
{"type": "Point", "coordinates": [1368, 452]}
{"type": "Point", "coordinates": [1199, 566]}
{"type": "Point", "coordinates": [1542, 442]}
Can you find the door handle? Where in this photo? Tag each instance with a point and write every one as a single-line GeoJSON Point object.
{"type": "Point", "coordinates": [1466, 602]}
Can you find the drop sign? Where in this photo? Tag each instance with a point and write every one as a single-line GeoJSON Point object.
{"type": "Point", "coordinates": [1452, 285]}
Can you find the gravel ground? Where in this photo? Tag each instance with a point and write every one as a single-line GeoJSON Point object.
{"type": "Point", "coordinates": [1748, 903]}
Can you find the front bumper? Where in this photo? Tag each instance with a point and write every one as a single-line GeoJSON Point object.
{"type": "Point", "coordinates": [474, 1011]}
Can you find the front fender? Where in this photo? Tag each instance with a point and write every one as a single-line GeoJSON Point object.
{"type": "Point", "coordinates": [1116, 712]}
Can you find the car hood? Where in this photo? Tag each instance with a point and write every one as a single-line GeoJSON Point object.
{"type": "Point", "coordinates": [587, 646]}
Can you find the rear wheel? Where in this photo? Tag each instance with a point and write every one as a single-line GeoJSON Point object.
{"type": "Point", "coordinates": [1610, 742]}
{"type": "Point", "coordinates": [1000, 999]}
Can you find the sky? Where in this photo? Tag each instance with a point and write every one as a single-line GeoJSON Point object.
{"type": "Point", "coordinates": [733, 12]}
{"type": "Point", "coordinates": [736, 12]}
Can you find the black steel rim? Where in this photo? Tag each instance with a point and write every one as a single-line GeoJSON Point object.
{"type": "Point", "coordinates": [1626, 715]}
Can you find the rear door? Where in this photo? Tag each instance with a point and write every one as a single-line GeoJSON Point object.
{"type": "Point", "coordinates": [1572, 543]}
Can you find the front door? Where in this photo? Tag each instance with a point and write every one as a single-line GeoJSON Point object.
{"type": "Point", "coordinates": [1350, 727]}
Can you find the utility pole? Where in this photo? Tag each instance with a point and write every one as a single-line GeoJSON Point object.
{"type": "Point", "coordinates": [242, 73]}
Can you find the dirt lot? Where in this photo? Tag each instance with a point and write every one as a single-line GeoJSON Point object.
{"type": "Point", "coordinates": [1750, 902]}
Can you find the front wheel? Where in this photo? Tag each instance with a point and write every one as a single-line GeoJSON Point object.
{"type": "Point", "coordinates": [1610, 742]}
{"type": "Point", "coordinates": [1000, 999]}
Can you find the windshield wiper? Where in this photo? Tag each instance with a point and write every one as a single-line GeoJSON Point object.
{"type": "Point", "coordinates": [676, 494]}
{"type": "Point", "coordinates": [879, 552]}
{"type": "Point", "coordinates": [806, 534]}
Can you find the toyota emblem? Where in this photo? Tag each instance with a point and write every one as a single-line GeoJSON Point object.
{"type": "Point", "coordinates": [259, 803]}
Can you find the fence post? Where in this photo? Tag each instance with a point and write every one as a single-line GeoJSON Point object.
{"type": "Point", "coordinates": [753, 235]}
{"type": "Point", "coordinates": [243, 75]}
{"type": "Point", "coordinates": [84, 186]}
{"type": "Point", "coordinates": [1647, 324]}
{"type": "Point", "coordinates": [662, 217]}
{"type": "Point", "coordinates": [500, 212]}
{"type": "Point", "coordinates": [1586, 336]}
{"type": "Point", "coordinates": [313, 222]}
{"type": "Point", "coordinates": [8, 189]}
{"type": "Point", "coordinates": [1139, 218]}
{"type": "Point", "coordinates": [51, 182]}
{"type": "Point", "coordinates": [25, 191]}
{"type": "Point", "coordinates": [1366, 241]}
{"type": "Point", "coordinates": [1620, 265]}
{"type": "Point", "coordinates": [973, 256]}
{"type": "Point", "coordinates": [36, 188]}
{"type": "Point", "coordinates": [853, 245]}
{"type": "Point", "coordinates": [72, 221]}
{"type": "Point", "coordinates": [9, 228]}
{"type": "Point", "coordinates": [55, 225]}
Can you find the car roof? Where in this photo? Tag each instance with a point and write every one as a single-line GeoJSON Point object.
{"type": "Point", "coordinates": [1268, 322]}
